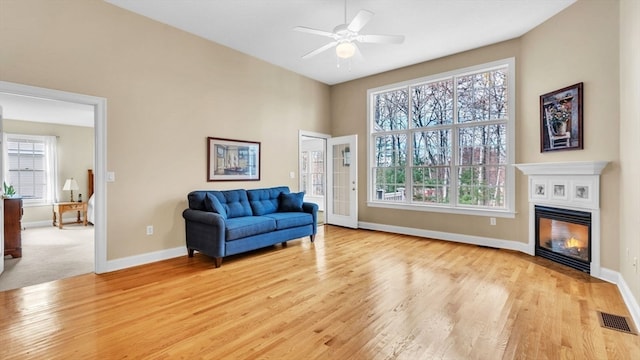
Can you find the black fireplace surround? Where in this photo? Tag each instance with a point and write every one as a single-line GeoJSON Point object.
{"type": "Point", "coordinates": [564, 236]}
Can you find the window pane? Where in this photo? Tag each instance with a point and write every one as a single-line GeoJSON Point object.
{"type": "Point", "coordinates": [431, 185]}
{"type": "Point", "coordinates": [481, 145]}
{"type": "Point", "coordinates": [482, 185]}
{"type": "Point", "coordinates": [432, 147]}
{"type": "Point", "coordinates": [391, 150]}
{"type": "Point", "coordinates": [391, 110]}
{"type": "Point", "coordinates": [390, 184]}
{"type": "Point", "coordinates": [317, 186]}
{"type": "Point", "coordinates": [432, 104]}
{"type": "Point", "coordinates": [482, 96]}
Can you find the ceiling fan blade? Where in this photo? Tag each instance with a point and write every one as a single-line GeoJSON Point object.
{"type": "Point", "coordinates": [381, 39]}
{"type": "Point", "coordinates": [361, 19]}
{"type": "Point", "coordinates": [320, 49]}
{"type": "Point", "coordinates": [313, 31]}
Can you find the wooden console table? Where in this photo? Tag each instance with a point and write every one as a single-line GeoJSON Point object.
{"type": "Point", "coordinates": [61, 208]}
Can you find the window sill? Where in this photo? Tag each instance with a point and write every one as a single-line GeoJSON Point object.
{"type": "Point", "coordinates": [443, 209]}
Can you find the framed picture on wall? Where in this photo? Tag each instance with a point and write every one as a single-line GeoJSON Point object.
{"type": "Point", "coordinates": [232, 160]}
{"type": "Point", "coordinates": [561, 119]}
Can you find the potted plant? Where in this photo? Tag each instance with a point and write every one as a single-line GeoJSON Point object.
{"type": "Point", "coordinates": [8, 191]}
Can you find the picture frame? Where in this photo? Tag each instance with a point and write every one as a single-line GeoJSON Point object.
{"type": "Point", "coordinates": [561, 119]}
{"type": "Point", "coordinates": [539, 190]}
{"type": "Point", "coordinates": [232, 160]}
{"type": "Point", "coordinates": [559, 190]}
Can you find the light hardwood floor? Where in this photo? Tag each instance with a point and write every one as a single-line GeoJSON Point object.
{"type": "Point", "coordinates": [354, 294]}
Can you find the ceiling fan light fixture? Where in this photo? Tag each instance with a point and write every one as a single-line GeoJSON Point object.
{"type": "Point", "coordinates": [345, 50]}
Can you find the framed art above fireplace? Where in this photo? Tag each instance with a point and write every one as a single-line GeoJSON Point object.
{"type": "Point", "coordinates": [561, 119]}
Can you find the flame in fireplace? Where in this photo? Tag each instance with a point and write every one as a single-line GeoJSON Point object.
{"type": "Point", "coordinates": [573, 243]}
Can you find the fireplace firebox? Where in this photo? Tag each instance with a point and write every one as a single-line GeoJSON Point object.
{"type": "Point", "coordinates": [564, 236]}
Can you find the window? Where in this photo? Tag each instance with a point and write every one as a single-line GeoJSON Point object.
{"type": "Point", "coordinates": [312, 171]}
{"type": "Point", "coordinates": [445, 143]}
{"type": "Point", "coordinates": [31, 167]}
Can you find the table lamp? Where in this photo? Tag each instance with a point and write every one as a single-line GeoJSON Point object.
{"type": "Point", "coordinates": [70, 185]}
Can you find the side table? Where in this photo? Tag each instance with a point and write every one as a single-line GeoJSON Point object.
{"type": "Point", "coordinates": [62, 207]}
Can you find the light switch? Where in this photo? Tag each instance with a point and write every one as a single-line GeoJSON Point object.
{"type": "Point", "coordinates": [111, 176]}
{"type": "Point", "coordinates": [292, 175]}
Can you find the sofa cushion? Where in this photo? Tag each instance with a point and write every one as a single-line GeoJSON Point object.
{"type": "Point", "coordinates": [290, 202]}
{"type": "Point", "coordinates": [286, 220]}
{"type": "Point", "coordinates": [212, 204]}
{"type": "Point", "coordinates": [240, 227]}
{"type": "Point", "coordinates": [265, 201]}
{"type": "Point", "coordinates": [236, 203]}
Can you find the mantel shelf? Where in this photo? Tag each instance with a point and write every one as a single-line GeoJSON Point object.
{"type": "Point", "coordinates": [563, 168]}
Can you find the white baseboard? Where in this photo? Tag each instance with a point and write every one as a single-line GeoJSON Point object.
{"type": "Point", "coordinates": [131, 261]}
{"type": "Point", "coordinates": [632, 303]}
{"type": "Point", "coordinates": [45, 223]}
{"type": "Point", "coordinates": [36, 224]}
{"type": "Point", "coordinates": [466, 239]}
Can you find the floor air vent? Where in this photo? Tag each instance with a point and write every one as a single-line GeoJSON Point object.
{"type": "Point", "coordinates": [616, 322]}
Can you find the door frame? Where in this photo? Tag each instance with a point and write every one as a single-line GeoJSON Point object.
{"type": "Point", "coordinates": [100, 160]}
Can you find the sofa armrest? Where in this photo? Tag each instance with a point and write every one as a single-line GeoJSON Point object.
{"type": "Point", "coordinates": [204, 217]}
{"type": "Point", "coordinates": [312, 209]}
{"type": "Point", "coordinates": [205, 232]}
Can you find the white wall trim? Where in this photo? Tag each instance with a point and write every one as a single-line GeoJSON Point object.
{"type": "Point", "coordinates": [465, 239]}
{"type": "Point", "coordinates": [632, 303]}
{"type": "Point", "coordinates": [146, 258]}
{"type": "Point", "coordinates": [100, 162]}
{"type": "Point", "coordinates": [37, 224]}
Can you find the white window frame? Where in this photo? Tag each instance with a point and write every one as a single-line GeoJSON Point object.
{"type": "Point", "coordinates": [453, 207]}
{"type": "Point", "coordinates": [50, 167]}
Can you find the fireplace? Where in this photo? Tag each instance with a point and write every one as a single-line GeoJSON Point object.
{"type": "Point", "coordinates": [568, 194]}
{"type": "Point", "coordinates": [564, 236]}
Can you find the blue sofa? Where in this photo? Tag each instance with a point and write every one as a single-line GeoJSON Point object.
{"type": "Point", "coordinates": [229, 222]}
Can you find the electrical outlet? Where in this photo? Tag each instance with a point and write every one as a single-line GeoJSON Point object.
{"type": "Point", "coordinates": [149, 229]}
{"type": "Point", "coordinates": [492, 221]}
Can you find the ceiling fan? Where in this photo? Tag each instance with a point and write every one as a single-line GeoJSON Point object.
{"type": "Point", "coordinates": [346, 35]}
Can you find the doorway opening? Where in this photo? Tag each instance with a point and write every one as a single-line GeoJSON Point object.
{"type": "Point", "coordinates": [312, 170]}
{"type": "Point", "coordinates": [97, 158]}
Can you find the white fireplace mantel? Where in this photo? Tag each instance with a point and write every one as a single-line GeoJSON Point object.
{"type": "Point", "coordinates": [573, 185]}
{"type": "Point", "coordinates": [563, 168]}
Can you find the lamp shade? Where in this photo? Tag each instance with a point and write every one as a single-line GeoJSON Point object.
{"type": "Point", "coordinates": [70, 184]}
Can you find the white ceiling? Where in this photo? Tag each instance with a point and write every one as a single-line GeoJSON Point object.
{"type": "Point", "coordinates": [432, 28]}
{"type": "Point", "coordinates": [18, 107]}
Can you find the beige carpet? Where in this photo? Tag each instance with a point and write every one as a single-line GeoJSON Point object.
{"type": "Point", "coordinates": [48, 254]}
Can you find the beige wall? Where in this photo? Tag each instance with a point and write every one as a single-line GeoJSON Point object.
{"type": "Point", "coordinates": [577, 45]}
{"type": "Point", "coordinates": [629, 134]}
{"type": "Point", "coordinates": [166, 91]}
{"type": "Point", "coordinates": [75, 156]}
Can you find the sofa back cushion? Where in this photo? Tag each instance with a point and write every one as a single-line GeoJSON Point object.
{"type": "Point", "coordinates": [265, 201]}
{"type": "Point", "coordinates": [234, 202]}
